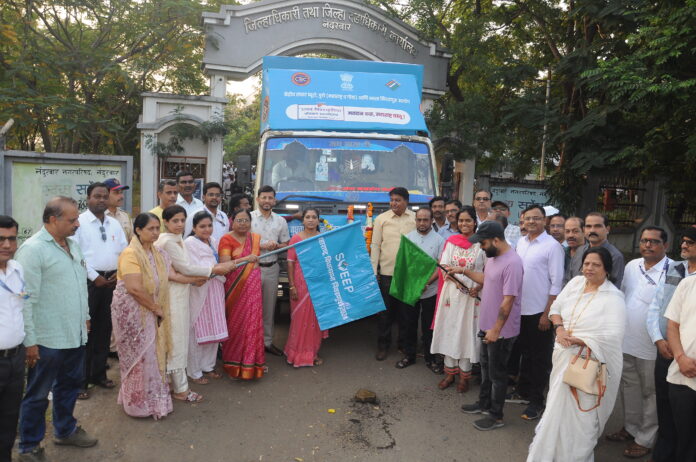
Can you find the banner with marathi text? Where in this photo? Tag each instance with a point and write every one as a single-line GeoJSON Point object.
{"type": "Point", "coordinates": [339, 276]}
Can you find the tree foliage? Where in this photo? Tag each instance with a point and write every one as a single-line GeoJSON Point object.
{"type": "Point", "coordinates": [72, 71]}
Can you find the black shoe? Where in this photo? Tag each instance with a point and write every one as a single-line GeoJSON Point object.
{"type": "Point", "coordinates": [274, 350]}
{"type": "Point", "coordinates": [532, 412]}
{"type": "Point", "coordinates": [405, 362]}
{"type": "Point", "coordinates": [488, 423]}
{"type": "Point", "coordinates": [474, 408]}
{"type": "Point", "coordinates": [79, 438]}
{"type": "Point", "coordinates": [35, 455]}
{"type": "Point", "coordinates": [381, 355]}
{"type": "Point", "coordinates": [515, 398]}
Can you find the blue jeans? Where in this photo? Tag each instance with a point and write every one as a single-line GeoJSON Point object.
{"type": "Point", "coordinates": [60, 371]}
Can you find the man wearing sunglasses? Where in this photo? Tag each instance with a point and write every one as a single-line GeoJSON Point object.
{"type": "Point", "coordinates": [482, 204]}
{"type": "Point", "coordinates": [667, 433]}
{"type": "Point", "coordinates": [101, 239]}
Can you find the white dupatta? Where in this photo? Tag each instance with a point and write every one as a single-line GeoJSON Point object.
{"type": "Point", "coordinates": [566, 433]}
{"type": "Point", "coordinates": [202, 254]}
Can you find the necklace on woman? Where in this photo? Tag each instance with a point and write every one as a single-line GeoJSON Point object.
{"type": "Point", "coordinates": [573, 320]}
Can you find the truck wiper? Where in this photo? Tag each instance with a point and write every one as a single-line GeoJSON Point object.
{"type": "Point", "coordinates": [303, 196]}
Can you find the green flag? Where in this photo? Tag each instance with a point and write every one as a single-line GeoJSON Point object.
{"type": "Point", "coordinates": [412, 270]}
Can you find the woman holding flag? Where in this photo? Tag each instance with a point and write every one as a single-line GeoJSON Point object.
{"type": "Point", "coordinates": [304, 337]}
{"type": "Point", "coordinates": [243, 353]}
{"type": "Point", "coordinates": [456, 317]}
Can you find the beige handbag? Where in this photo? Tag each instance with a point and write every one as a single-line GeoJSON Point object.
{"type": "Point", "coordinates": [588, 375]}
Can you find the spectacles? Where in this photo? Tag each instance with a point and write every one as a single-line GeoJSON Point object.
{"type": "Point", "coordinates": [556, 226]}
{"type": "Point", "coordinates": [213, 195]}
{"type": "Point", "coordinates": [482, 199]}
{"type": "Point", "coordinates": [650, 241]}
{"type": "Point", "coordinates": [3, 239]}
{"type": "Point", "coordinates": [242, 220]}
{"type": "Point", "coordinates": [530, 219]}
{"type": "Point", "coordinates": [103, 233]}
{"type": "Point", "coordinates": [686, 242]}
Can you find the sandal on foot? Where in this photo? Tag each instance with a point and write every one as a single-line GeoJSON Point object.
{"type": "Point", "coordinates": [191, 397]}
{"type": "Point", "coordinates": [446, 382]}
{"type": "Point", "coordinates": [635, 451]}
{"type": "Point", "coordinates": [405, 362]}
{"type": "Point", "coordinates": [200, 381]}
{"type": "Point", "coordinates": [83, 395]}
{"type": "Point", "coordinates": [620, 436]}
{"type": "Point", "coordinates": [318, 361]}
{"type": "Point", "coordinates": [213, 374]}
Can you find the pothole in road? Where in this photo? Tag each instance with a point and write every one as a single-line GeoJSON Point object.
{"type": "Point", "coordinates": [369, 425]}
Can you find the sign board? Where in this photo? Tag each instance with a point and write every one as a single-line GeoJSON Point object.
{"type": "Point", "coordinates": [239, 35]}
{"type": "Point", "coordinates": [340, 94]}
{"type": "Point", "coordinates": [30, 179]}
{"type": "Point", "coordinates": [519, 198]}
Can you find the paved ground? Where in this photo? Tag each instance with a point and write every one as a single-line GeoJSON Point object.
{"type": "Point", "coordinates": [285, 417]}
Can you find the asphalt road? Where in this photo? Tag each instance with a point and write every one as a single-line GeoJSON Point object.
{"type": "Point", "coordinates": [286, 416]}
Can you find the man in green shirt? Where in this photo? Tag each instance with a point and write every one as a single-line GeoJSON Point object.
{"type": "Point", "coordinates": [56, 322]}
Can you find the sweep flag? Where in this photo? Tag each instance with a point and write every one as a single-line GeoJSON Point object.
{"type": "Point", "coordinates": [339, 276]}
{"type": "Point", "coordinates": [412, 270]}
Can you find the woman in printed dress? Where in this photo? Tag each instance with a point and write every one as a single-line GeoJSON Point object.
{"type": "Point", "coordinates": [206, 303]}
{"type": "Point", "coordinates": [243, 353]}
{"type": "Point", "coordinates": [304, 337]}
{"type": "Point", "coordinates": [455, 326]}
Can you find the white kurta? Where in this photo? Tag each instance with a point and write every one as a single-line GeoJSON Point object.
{"type": "Point", "coordinates": [173, 244]}
{"type": "Point", "coordinates": [565, 433]}
{"type": "Point", "coordinates": [456, 318]}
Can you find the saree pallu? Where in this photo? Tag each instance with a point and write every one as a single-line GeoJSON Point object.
{"type": "Point", "coordinates": [144, 391]}
{"type": "Point", "coordinates": [243, 353]}
{"type": "Point", "coordinates": [304, 337]}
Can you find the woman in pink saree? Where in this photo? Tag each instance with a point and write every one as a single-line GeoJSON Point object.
{"type": "Point", "coordinates": [141, 322]}
{"type": "Point", "coordinates": [304, 337]}
{"type": "Point", "coordinates": [243, 354]}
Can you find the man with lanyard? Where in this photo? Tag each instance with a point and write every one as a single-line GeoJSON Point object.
{"type": "Point", "coordinates": [430, 242]}
{"type": "Point", "coordinates": [116, 197]}
{"type": "Point", "coordinates": [452, 208]}
{"type": "Point", "coordinates": [212, 196]}
{"type": "Point", "coordinates": [187, 186]}
{"type": "Point", "coordinates": [666, 443]}
{"type": "Point", "coordinates": [12, 296]}
{"type": "Point", "coordinates": [640, 282]}
{"type": "Point", "coordinates": [437, 206]}
{"type": "Point", "coordinates": [56, 321]}
{"type": "Point", "coordinates": [101, 240]}
{"type": "Point", "coordinates": [274, 233]}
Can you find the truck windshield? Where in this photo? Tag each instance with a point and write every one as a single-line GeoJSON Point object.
{"type": "Point", "coordinates": [350, 165]}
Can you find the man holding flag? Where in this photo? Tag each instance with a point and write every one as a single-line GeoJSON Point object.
{"type": "Point", "coordinates": [422, 265]}
{"type": "Point", "coordinates": [386, 238]}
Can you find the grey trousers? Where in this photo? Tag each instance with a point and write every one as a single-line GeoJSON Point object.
{"type": "Point", "coordinates": [638, 395]}
{"type": "Point", "coordinates": [269, 287]}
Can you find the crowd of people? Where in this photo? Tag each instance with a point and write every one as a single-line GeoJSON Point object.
{"type": "Point", "coordinates": [526, 303]}
{"type": "Point", "coordinates": [170, 290]}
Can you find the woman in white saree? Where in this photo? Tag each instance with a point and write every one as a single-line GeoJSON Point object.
{"type": "Point", "coordinates": [589, 311]}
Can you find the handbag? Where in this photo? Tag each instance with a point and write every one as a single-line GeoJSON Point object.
{"type": "Point", "coordinates": [588, 375]}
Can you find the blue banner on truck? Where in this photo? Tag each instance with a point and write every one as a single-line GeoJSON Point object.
{"type": "Point", "coordinates": [336, 94]}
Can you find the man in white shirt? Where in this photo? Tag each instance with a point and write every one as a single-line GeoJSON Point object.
{"type": "Point", "coordinates": [681, 335]}
{"type": "Point", "coordinates": [482, 204]}
{"type": "Point", "coordinates": [274, 233]}
{"type": "Point", "coordinates": [186, 186]}
{"type": "Point", "coordinates": [430, 242]}
{"type": "Point", "coordinates": [640, 281]}
{"type": "Point", "coordinates": [11, 336]}
{"type": "Point", "coordinates": [667, 437]}
{"type": "Point", "coordinates": [512, 232]}
{"type": "Point", "coordinates": [557, 228]}
{"type": "Point", "coordinates": [543, 259]}
{"type": "Point", "coordinates": [101, 240]}
{"type": "Point", "coordinates": [212, 197]}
